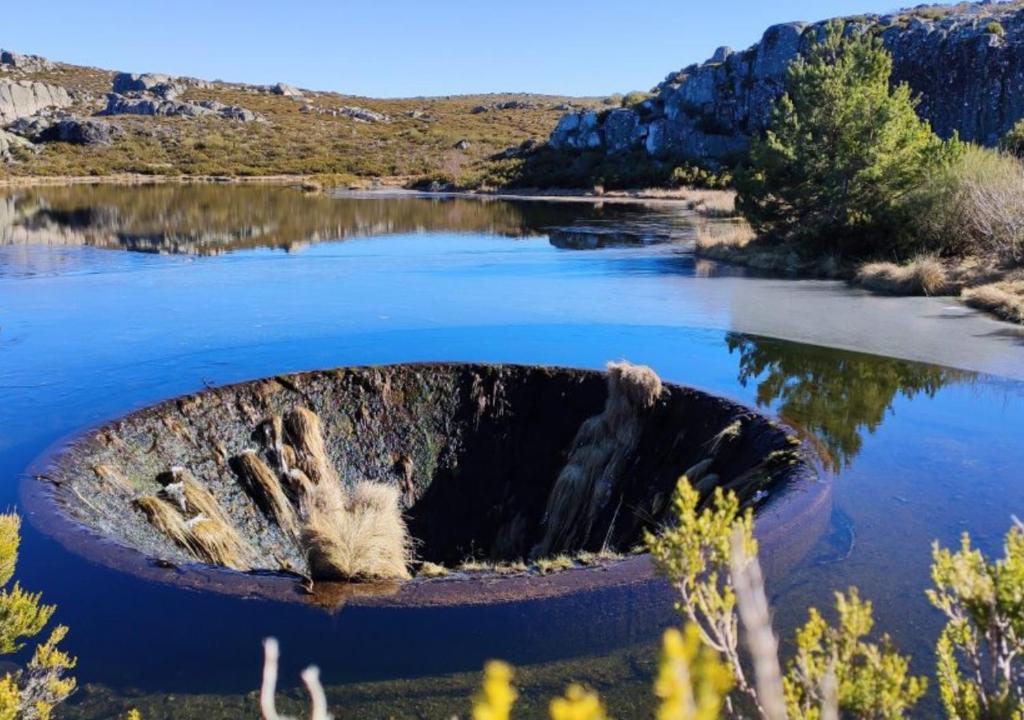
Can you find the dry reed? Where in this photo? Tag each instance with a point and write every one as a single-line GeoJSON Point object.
{"type": "Point", "coordinates": [303, 429]}
{"type": "Point", "coordinates": [599, 452]}
{"type": "Point", "coordinates": [266, 489]}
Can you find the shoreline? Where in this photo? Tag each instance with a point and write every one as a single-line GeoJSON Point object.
{"type": "Point", "coordinates": [382, 187]}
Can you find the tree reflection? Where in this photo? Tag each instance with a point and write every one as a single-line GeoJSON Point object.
{"type": "Point", "coordinates": [832, 395]}
{"type": "Point", "coordinates": [206, 219]}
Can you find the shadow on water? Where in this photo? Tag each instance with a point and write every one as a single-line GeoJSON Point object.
{"type": "Point", "coordinates": [213, 219]}
{"type": "Point", "coordinates": [833, 396]}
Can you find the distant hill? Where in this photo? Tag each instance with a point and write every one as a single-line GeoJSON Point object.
{"type": "Point", "coordinates": [60, 119]}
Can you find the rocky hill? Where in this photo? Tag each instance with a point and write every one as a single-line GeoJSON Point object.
{"type": "Point", "coordinates": [966, 62]}
{"type": "Point", "coordinates": [60, 119]}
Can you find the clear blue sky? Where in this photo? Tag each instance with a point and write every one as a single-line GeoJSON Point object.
{"type": "Point", "coordinates": [388, 48]}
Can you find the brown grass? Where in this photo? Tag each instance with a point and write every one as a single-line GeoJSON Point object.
{"type": "Point", "coordinates": [711, 203]}
{"type": "Point", "coordinates": [355, 535]}
{"type": "Point", "coordinates": [166, 518]}
{"type": "Point", "coordinates": [1003, 299]}
{"type": "Point", "coordinates": [723, 234]}
{"type": "Point", "coordinates": [112, 476]}
{"type": "Point", "coordinates": [266, 489]}
{"type": "Point", "coordinates": [303, 430]}
{"type": "Point", "coordinates": [922, 276]}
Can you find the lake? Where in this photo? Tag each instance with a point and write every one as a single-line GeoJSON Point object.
{"type": "Point", "coordinates": [114, 298]}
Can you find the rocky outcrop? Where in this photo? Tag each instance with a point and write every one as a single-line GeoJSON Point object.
{"type": "Point", "coordinates": [63, 127]}
{"type": "Point", "coordinates": [157, 105]}
{"type": "Point", "coordinates": [361, 114]}
{"type": "Point", "coordinates": [967, 67]}
{"type": "Point", "coordinates": [285, 90]}
{"type": "Point", "coordinates": [10, 60]}
{"type": "Point", "coordinates": [23, 98]}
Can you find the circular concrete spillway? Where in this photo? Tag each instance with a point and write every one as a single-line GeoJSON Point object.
{"type": "Point", "coordinates": [497, 465]}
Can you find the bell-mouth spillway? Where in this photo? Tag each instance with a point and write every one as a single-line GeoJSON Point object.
{"type": "Point", "coordinates": [485, 480]}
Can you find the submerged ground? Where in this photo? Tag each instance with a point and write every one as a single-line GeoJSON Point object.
{"type": "Point", "coordinates": [255, 282]}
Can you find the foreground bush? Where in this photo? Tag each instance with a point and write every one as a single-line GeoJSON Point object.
{"type": "Point", "coordinates": [33, 692]}
{"type": "Point", "coordinates": [842, 153]}
{"type": "Point", "coordinates": [709, 554]}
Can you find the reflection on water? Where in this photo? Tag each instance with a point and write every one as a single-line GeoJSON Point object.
{"type": "Point", "coordinates": [835, 397]}
{"type": "Point", "coordinates": [921, 452]}
{"type": "Point", "coordinates": [211, 219]}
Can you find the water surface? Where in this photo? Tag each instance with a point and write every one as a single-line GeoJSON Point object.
{"type": "Point", "coordinates": [114, 298]}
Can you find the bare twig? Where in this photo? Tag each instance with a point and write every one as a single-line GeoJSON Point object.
{"type": "Point", "coordinates": [757, 624]}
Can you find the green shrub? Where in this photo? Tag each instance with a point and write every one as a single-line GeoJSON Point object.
{"type": "Point", "coordinates": [632, 99]}
{"type": "Point", "coordinates": [996, 28]}
{"type": "Point", "coordinates": [1013, 141]}
{"type": "Point", "coordinates": [694, 176]}
{"type": "Point", "coordinates": [842, 152]}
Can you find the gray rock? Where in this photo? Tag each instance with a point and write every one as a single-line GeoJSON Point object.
{"type": "Point", "coordinates": [80, 131]}
{"type": "Point", "coordinates": [361, 114]}
{"type": "Point", "coordinates": [24, 98]}
{"type": "Point", "coordinates": [145, 82]}
{"type": "Point", "coordinates": [462, 145]}
{"type": "Point", "coordinates": [157, 106]}
{"type": "Point", "coordinates": [285, 90]}
{"type": "Point", "coordinates": [623, 130]}
{"type": "Point", "coordinates": [26, 63]}
{"type": "Point", "coordinates": [970, 81]}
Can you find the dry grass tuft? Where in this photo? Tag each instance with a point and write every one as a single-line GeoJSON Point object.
{"type": "Point", "coordinates": [599, 452]}
{"type": "Point", "coordinates": [303, 429]}
{"type": "Point", "coordinates": [1003, 299]}
{"type": "Point", "coordinates": [266, 489]}
{"type": "Point", "coordinates": [712, 203]}
{"type": "Point", "coordinates": [638, 385]}
{"type": "Point", "coordinates": [356, 535]}
{"type": "Point", "coordinates": [734, 234]}
{"type": "Point", "coordinates": [922, 276]}
{"type": "Point", "coordinates": [215, 542]}
{"type": "Point", "coordinates": [432, 570]}
{"type": "Point", "coordinates": [554, 564]}
{"type": "Point", "coordinates": [166, 518]}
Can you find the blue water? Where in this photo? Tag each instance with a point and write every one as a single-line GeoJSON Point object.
{"type": "Point", "coordinates": [91, 332]}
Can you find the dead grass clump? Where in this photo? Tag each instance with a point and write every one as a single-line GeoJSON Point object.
{"type": "Point", "coordinates": [922, 276]}
{"type": "Point", "coordinates": [166, 518]}
{"type": "Point", "coordinates": [266, 489]}
{"type": "Point", "coordinates": [712, 203]}
{"type": "Point", "coordinates": [304, 432]}
{"type": "Point", "coordinates": [214, 542]}
{"type": "Point", "coordinates": [356, 535]}
{"type": "Point", "coordinates": [1003, 299]}
{"type": "Point", "coordinates": [432, 570]}
{"type": "Point", "coordinates": [599, 452]}
{"type": "Point", "coordinates": [724, 234]}
{"type": "Point", "coordinates": [554, 564]}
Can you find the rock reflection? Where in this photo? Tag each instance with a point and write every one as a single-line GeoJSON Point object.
{"type": "Point", "coordinates": [212, 219]}
{"type": "Point", "coordinates": [834, 396]}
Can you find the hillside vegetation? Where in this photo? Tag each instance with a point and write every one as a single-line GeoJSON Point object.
{"type": "Point", "coordinates": [297, 135]}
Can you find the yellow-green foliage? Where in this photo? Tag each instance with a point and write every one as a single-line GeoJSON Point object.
{"type": "Point", "coordinates": [979, 650]}
{"type": "Point", "coordinates": [578, 704]}
{"type": "Point", "coordinates": [692, 680]}
{"type": "Point", "coordinates": [695, 554]}
{"type": "Point", "coordinates": [494, 702]}
{"type": "Point", "coordinates": [43, 684]}
{"type": "Point", "coordinates": [872, 680]}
